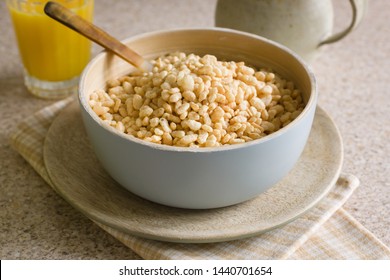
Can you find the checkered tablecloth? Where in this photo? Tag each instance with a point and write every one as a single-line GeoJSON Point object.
{"type": "Point", "coordinates": [325, 232]}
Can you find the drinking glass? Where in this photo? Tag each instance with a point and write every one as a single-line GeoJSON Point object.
{"type": "Point", "coordinates": [53, 56]}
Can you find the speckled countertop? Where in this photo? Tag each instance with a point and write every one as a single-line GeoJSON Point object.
{"type": "Point", "coordinates": [353, 77]}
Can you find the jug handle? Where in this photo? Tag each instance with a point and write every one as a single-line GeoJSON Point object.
{"type": "Point", "coordinates": [358, 10]}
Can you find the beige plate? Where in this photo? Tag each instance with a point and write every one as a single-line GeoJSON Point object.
{"type": "Point", "coordinates": [79, 178]}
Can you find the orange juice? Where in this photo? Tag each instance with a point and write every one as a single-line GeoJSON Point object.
{"type": "Point", "coordinates": [49, 50]}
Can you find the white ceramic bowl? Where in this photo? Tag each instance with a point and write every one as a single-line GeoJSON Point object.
{"type": "Point", "coordinates": [204, 177]}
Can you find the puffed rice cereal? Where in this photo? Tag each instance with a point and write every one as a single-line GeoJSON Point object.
{"type": "Point", "coordinates": [193, 101]}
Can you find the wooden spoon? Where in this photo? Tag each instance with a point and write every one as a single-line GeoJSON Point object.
{"type": "Point", "coordinates": [94, 33]}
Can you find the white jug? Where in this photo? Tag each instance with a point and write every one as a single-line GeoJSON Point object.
{"type": "Point", "coordinates": [301, 25]}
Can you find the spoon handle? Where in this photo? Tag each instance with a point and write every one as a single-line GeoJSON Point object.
{"type": "Point", "coordinates": [94, 33]}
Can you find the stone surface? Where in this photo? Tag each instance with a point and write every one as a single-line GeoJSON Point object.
{"type": "Point", "coordinates": [352, 75]}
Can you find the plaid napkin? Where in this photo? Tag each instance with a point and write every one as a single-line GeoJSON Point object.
{"type": "Point", "coordinates": [326, 232]}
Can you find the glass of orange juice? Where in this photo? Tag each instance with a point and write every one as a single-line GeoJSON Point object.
{"type": "Point", "coordinates": [53, 56]}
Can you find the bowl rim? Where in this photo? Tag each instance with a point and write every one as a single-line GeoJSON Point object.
{"type": "Point", "coordinates": [310, 103]}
